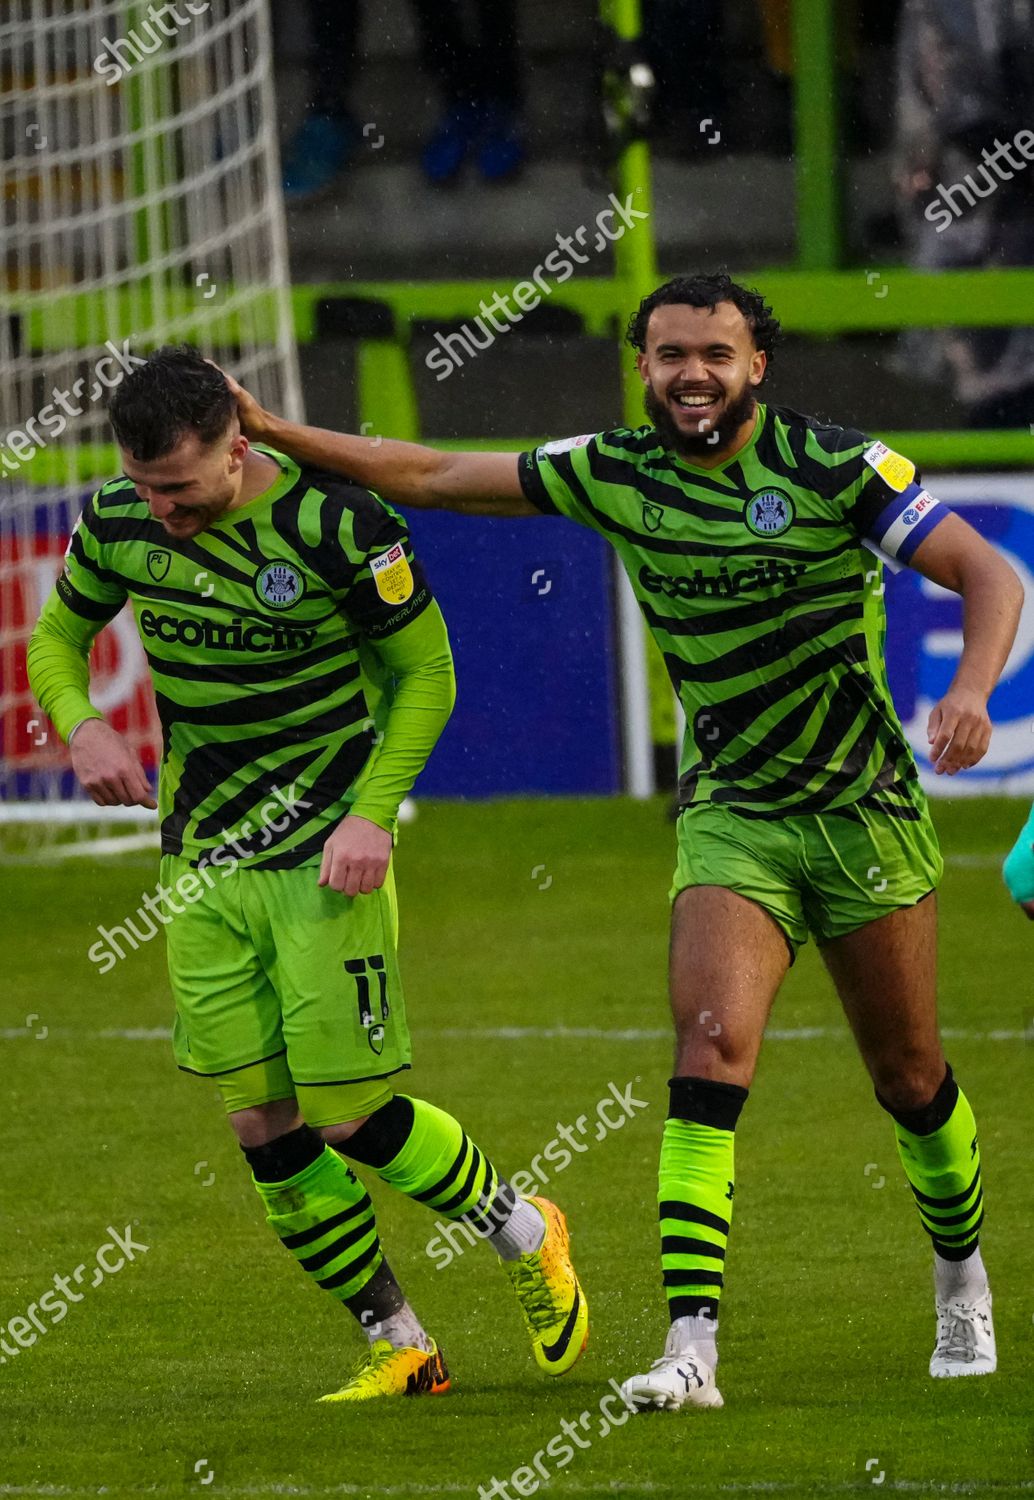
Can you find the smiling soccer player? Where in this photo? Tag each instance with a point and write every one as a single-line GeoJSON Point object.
{"type": "Point", "coordinates": [752, 537]}
{"type": "Point", "coordinates": [272, 600]}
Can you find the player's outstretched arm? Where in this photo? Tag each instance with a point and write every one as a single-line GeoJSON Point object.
{"type": "Point", "coordinates": [958, 558]}
{"type": "Point", "coordinates": [404, 473]}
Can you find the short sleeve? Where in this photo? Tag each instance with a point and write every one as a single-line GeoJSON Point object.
{"type": "Point", "coordinates": [892, 512]}
{"type": "Point", "coordinates": [87, 585]}
{"type": "Point", "coordinates": [383, 587]}
{"type": "Point", "coordinates": [556, 478]}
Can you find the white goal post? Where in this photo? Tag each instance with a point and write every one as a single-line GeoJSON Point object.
{"type": "Point", "coordinates": [141, 205]}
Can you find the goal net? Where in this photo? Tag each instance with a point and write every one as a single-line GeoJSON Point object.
{"type": "Point", "coordinates": [141, 205]}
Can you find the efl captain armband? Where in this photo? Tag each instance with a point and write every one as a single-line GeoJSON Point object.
{"type": "Point", "coordinates": [902, 524]}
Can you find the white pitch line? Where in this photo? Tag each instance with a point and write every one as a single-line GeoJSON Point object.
{"type": "Point", "coordinates": [976, 861]}
{"type": "Point", "coordinates": [533, 1033]}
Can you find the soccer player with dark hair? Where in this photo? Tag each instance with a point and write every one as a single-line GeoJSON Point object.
{"type": "Point", "coordinates": [276, 604]}
{"type": "Point", "coordinates": [753, 538]}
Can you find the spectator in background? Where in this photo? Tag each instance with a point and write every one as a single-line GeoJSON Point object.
{"type": "Point", "coordinates": [477, 69]}
{"type": "Point", "coordinates": [327, 136]}
{"type": "Point", "coordinates": [683, 40]}
{"type": "Point", "coordinates": [966, 84]}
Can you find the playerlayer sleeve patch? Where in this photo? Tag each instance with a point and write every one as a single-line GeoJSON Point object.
{"type": "Point", "coordinates": [903, 523]}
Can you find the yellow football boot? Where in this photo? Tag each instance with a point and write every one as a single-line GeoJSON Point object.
{"type": "Point", "coordinates": [387, 1371]}
{"type": "Point", "coordinates": [553, 1303]}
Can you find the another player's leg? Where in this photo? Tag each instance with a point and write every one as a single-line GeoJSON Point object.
{"type": "Point", "coordinates": [728, 958]}
{"type": "Point", "coordinates": [885, 973]}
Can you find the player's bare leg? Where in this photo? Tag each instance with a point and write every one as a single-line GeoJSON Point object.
{"type": "Point", "coordinates": [728, 958]}
{"type": "Point", "coordinates": [886, 976]}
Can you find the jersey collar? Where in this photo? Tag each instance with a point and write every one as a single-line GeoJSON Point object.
{"type": "Point", "coordinates": [289, 473]}
{"type": "Point", "coordinates": [760, 418]}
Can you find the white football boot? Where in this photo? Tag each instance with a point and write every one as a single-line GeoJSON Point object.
{"type": "Point", "coordinates": [685, 1376]}
{"type": "Point", "coordinates": [965, 1337]}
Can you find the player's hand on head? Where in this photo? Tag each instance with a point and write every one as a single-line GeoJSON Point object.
{"type": "Point", "coordinates": [959, 731]}
{"type": "Point", "coordinates": [356, 857]}
{"type": "Point", "coordinates": [107, 768]}
{"type": "Point", "coordinates": [251, 415]}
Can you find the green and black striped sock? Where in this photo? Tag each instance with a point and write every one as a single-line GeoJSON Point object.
{"type": "Point", "coordinates": [323, 1216]}
{"type": "Point", "coordinates": [695, 1190]}
{"type": "Point", "coordinates": [425, 1153]}
{"type": "Point", "coordinates": [939, 1152]}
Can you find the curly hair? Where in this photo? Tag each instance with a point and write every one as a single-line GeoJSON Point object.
{"type": "Point", "coordinates": [709, 291]}
{"type": "Point", "coordinates": [175, 392]}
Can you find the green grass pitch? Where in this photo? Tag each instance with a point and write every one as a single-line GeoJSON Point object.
{"type": "Point", "coordinates": [197, 1367]}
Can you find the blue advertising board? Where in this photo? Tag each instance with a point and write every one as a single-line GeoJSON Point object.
{"type": "Point", "coordinates": [530, 610]}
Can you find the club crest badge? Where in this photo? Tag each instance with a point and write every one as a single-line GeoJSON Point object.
{"type": "Point", "coordinates": [375, 1037]}
{"type": "Point", "coordinates": [653, 515]}
{"type": "Point", "coordinates": [279, 585]}
{"type": "Point", "coordinates": [769, 513]}
{"type": "Point", "coordinates": [393, 575]}
{"type": "Point", "coordinates": [158, 563]}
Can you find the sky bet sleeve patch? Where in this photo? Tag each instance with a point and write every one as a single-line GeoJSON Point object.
{"type": "Point", "coordinates": [894, 469]}
{"type": "Point", "coordinates": [393, 575]}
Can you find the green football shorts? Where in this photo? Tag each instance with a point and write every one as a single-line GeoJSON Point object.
{"type": "Point", "coordinates": [285, 988]}
{"type": "Point", "coordinates": [824, 873]}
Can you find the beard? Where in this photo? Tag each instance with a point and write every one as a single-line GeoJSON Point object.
{"type": "Point", "coordinates": [694, 444]}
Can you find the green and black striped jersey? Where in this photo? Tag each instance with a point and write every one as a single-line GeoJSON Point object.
{"type": "Point", "coordinates": [256, 632]}
{"type": "Point", "coordinates": [761, 583]}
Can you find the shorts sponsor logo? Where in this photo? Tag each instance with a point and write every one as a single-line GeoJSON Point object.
{"type": "Point", "coordinates": [893, 468]}
{"type": "Point", "coordinates": [158, 563]}
{"type": "Point", "coordinates": [392, 575]}
{"type": "Point", "coordinates": [769, 513]}
{"type": "Point", "coordinates": [236, 634]}
{"type": "Point", "coordinates": [280, 585]}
